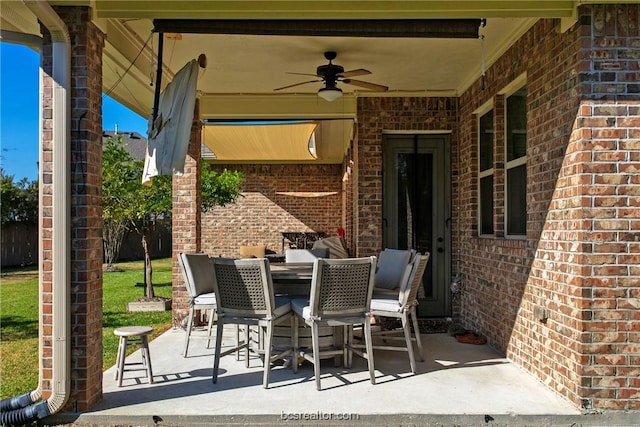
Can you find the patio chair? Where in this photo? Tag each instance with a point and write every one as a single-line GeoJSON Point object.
{"type": "Point", "coordinates": [341, 291]}
{"type": "Point", "coordinates": [402, 306]}
{"type": "Point", "coordinates": [196, 270]}
{"type": "Point", "coordinates": [391, 269]}
{"type": "Point", "coordinates": [244, 292]}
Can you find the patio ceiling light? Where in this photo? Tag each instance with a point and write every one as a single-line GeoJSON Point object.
{"type": "Point", "coordinates": [330, 93]}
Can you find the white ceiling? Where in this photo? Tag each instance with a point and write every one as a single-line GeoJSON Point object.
{"type": "Point", "coordinates": [249, 64]}
{"type": "Point", "coordinates": [259, 64]}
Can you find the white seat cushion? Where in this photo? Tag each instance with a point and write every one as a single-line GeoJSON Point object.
{"type": "Point", "coordinates": [205, 299]}
{"type": "Point", "coordinates": [385, 303]}
{"type": "Point", "coordinates": [301, 307]}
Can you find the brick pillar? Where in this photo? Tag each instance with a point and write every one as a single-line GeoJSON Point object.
{"type": "Point", "coordinates": [86, 210]}
{"type": "Point", "coordinates": [585, 344]}
{"type": "Point", "coordinates": [186, 216]}
{"type": "Point", "coordinates": [606, 143]}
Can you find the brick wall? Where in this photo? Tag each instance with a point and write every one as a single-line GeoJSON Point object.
{"type": "Point", "coordinates": [601, 181]}
{"type": "Point", "coordinates": [86, 210]}
{"type": "Point", "coordinates": [186, 217]}
{"type": "Point", "coordinates": [579, 260]}
{"type": "Point", "coordinates": [376, 115]}
{"type": "Point", "coordinates": [275, 198]}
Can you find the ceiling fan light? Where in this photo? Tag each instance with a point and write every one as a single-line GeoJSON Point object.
{"type": "Point", "coordinates": [330, 93]}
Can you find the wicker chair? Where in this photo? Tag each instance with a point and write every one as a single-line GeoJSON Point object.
{"type": "Point", "coordinates": [403, 306]}
{"type": "Point", "coordinates": [196, 270]}
{"type": "Point", "coordinates": [341, 292]}
{"type": "Point", "coordinates": [244, 292]}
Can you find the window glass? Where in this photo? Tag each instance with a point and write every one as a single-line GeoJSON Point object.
{"type": "Point", "coordinates": [517, 200]}
{"type": "Point", "coordinates": [486, 205]}
{"type": "Point", "coordinates": [516, 166]}
{"type": "Point", "coordinates": [485, 187]}
{"type": "Point", "coordinates": [486, 140]}
{"type": "Point", "coordinates": [517, 124]}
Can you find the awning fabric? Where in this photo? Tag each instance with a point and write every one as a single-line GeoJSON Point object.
{"type": "Point", "coordinates": [256, 141]}
{"type": "Point", "coordinates": [169, 136]}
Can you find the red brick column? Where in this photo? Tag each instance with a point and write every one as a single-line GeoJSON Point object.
{"type": "Point", "coordinates": [186, 216]}
{"type": "Point", "coordinates": [86, 209]}
{"type": "Point", "coordinates": [586, 266]}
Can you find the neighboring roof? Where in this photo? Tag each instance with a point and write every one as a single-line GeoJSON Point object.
{"type": "Point", "coordinates": [135, 143]}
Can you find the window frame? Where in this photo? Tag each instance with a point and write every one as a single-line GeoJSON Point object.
{"type": "Point", "coordinates": [490, 172]}
{"type": "Point", "coordinates": [515, 86]}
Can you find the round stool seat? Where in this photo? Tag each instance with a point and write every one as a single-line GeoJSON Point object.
{"type": "Point", "coordinates": [132, 331]}
{"type": "Point", "coordinates": [132, 335]}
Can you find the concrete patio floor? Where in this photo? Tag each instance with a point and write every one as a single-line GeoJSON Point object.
{"type": "Point", "coordinates": [457, 384]}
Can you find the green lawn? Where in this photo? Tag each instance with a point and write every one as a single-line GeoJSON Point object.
{"type": "Point", "coordinates": [19, 363]}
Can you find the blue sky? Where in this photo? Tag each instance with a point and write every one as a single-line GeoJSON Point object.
{"type": "Point", "coordinates": [19, 98]}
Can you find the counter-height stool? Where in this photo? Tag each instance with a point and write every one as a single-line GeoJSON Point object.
{"type": "Point", "coordinates": [130, 335]}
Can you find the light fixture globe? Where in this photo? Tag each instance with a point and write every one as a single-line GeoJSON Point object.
{"type": "Point", "coordinates": [330, 93]}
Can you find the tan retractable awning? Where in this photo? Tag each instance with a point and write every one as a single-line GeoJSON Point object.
{"type": "Point", "coordinates": [287, 141]}
{"type": "Point", "coordinates": [322, 141]}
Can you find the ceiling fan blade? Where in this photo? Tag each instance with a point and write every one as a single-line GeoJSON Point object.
{"type": "Point", "coordinates": [298, 84]}
{"type": "Point", "coordinates": [304, 74]}
{"type": "Point", "coordinates": [366, 85]}
{"type": "Point", "coordinates": [353, 73]}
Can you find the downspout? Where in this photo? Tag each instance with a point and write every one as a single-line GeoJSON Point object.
{"type": "Point", "coordinates": [61, 224]}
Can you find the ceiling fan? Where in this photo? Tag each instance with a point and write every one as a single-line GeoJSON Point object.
{"type": "Point", "coordinates": [332, 73]}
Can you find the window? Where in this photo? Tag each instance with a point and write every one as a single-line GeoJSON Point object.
{"type": "Point", "coordinates": [516, 165]}
{"type": "Point", "coordinates": [485, 141]}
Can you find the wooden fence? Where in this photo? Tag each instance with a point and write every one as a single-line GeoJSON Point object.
{"type": "Point", "coordinates": [19, 245]}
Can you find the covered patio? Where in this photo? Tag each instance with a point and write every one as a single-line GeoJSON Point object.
{"type": "Point", "coordinates": [528, 129]}
{"type": "Point", "coordinates": [456, 384]}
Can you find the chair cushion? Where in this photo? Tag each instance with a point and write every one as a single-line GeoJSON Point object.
{"type": "Point", "coordinates": [198, 269]}
{"type": "Point", "coordinates": [321, 252]}
{"type": "Point", "coordinates": [337, 247]}
{"type": "Point", "coordinates": [205, 299]}
{"type": "Point", "coordinates": [385, 303]}
{"type": "Point", "coordinates": [301, 307]}
{"type": "Point", "coordinates": [283, 306]}
{"type": "Point", "coordinates": [299, 255]}
{"type": "Point", "coordinates": [256, 251]}
{"type": "Point", "coordinates": [392, 265]}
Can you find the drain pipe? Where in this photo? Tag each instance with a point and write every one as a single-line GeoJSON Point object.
{"type": "Point", "coordinates": [25, 409]}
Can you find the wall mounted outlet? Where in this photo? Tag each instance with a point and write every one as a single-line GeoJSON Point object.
{"type": "Point", "coordinates": [540, 313]}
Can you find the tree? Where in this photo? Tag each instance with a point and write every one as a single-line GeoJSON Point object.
{"type": "Point", "coordinates": [19, 200]}
{"type": "Point", "coordinates": [126, 201]}
{"type": "Point", "coordinates": [118, 175]}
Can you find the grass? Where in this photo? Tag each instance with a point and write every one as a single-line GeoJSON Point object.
{"type": "Point", "coordinates": [19, 323]}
